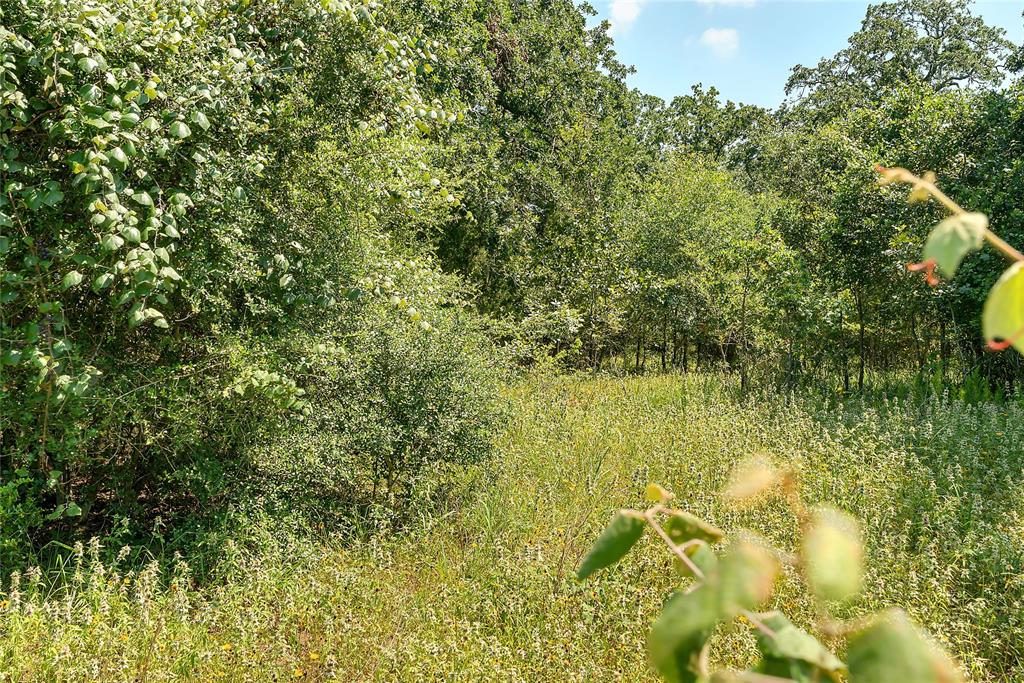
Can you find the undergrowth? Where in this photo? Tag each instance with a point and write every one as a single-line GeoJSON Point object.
{"type": "Point", "coordinates": [485, 591]}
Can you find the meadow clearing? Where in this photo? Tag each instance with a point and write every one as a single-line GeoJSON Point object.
{"type": "Point", "coordinates": [485, 590]}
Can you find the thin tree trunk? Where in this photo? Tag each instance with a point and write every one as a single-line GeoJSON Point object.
{"type": "Point", "coordinates": [686, 351]}
{"type": "Point", "coordinates": [860, 337]}
{"type": "Point", "coordinates": [664, 344]}
{"type": "Point", "coordinates": [842, 345]}
{"type": "Point", "coordinates": [943, 348]}
{"type": "Point", "coordinates": [742, 347]}
{"type": "Point", "coordinates": [639, 341]}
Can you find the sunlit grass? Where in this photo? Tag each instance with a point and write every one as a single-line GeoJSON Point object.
{"type": "Point", "coordinates": [486, 593]}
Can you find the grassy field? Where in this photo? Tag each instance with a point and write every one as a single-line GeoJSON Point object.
{"type": "Point", "coordinates": [485, 592]}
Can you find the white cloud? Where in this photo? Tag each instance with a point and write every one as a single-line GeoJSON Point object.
{"type": "Point", "coordinates": [625, 12]}
{"type": "Point", "coordinates": [723, 42]}
{"type": "Point", "coordinates": [728, 3]}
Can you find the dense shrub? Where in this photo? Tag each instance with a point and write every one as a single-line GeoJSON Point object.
{"type": "Point", "coordinates": [396, 414]}
{"type": "Point", "coordinates": [192, 193]}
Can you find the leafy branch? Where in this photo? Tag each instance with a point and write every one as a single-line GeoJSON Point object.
{"type": "Point", "coordinates": [951, 241]}
{"type": "Point", "coordinates": [728, 585]}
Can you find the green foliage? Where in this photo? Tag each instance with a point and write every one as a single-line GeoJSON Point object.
{"type": "Point", "coordinates": [744, 577]}
{"type": "Point", "coordinates": [953, 238]}
{"type": "Point", "coordinates": [617, 539]}
{"type": "Point", "coordinates": [486, 590]}
{"type": "Point", "coordinates": [168, 219]}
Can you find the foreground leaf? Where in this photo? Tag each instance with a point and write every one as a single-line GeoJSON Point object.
{"type": "Point", "coordinates": [682, 527]}
{"type": "Point", "coordinates": [790, 652]}
{"type": "Point", "coordinates": [751, 479]}
{"type": "Point", "coordinates": [622, 533]}
{"type": "Point", "coordinates": [893, 649]}
{"type": "Point", "coordinates": [1003, 315]}
{"type": "Point", "coordinates": [678, 639]}
{"type": "Point", "coordinates": [745, 578]}
{"type": "Point", "coordinates": [953, 238]}
{"type": "Point", "coordinates": [832, 555]}
{"type": "Point", "coordinates": [702, 556]}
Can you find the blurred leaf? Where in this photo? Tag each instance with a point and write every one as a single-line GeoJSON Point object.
{"type": "Point", "coordinates": [682, 527]}
{"type": "Point", "coordinates": [894, 649]}
{"type": "Point", "coordinates": [657, 494]}
{"type": "Point", "coordinates": [677, 641]}
{"type": "Point", "coordinates": [832, 555]}
{"type": "Point", "coordinates": [618, 538]}
{"type": "Point", "coordinates": [750, 479]}
{"type": "Point", "coordinates": [790, 652]}
{"type": "Point", "coordinates": [1003, 315]}
{"type": "Point", "coordinates": [702, 556]}
{"type": "Point", "coordinates": [953, 238]}
{"type": "Point", "coordinates": [746, 575]}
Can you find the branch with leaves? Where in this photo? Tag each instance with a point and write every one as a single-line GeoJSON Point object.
{"type": "Point", "coordinates": [724, 586]}
{"type": "Point", "coordinates": [951, 241]}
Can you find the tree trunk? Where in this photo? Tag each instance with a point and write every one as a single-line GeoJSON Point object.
{"type": "Point", "coordinates": [860, 339]}
{"type": "Point", "coordinates": [943, 348]}
{"type": "Point", "coordinates": [842, 345]}
{"type": "Point", "coordinates": [686, 351]}
{"type": "Point", "coordinates": [639, 341]}
{"type": "Point", "coordinates": [742, 344]}
{"type": "Point", "coordinates": [664, 345]}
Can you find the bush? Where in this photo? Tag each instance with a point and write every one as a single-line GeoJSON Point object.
{"type": "Point", "coordinates": [396, 414]}
{"type": "Point", "coordinates": [175, 209]}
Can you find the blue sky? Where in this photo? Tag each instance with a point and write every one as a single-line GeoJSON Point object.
{"type": "Point", "coordinates": [745, 48]}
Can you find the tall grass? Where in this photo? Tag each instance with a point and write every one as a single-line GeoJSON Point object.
{"type": "Point", "coordinates": [485, 592]}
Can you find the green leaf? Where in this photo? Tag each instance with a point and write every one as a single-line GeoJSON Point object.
{"type": "Point", "coordinates": [150, 124]}
{"type": "Point", "coordinates": [72, 510]}
{"type": "Point", "coordinates": [1003, 315]}
{"type": "Point", "coordinates": [682, 527]}
{"type": "Point", "coordinates": [677, 643]}
{"type": "Point", "coordinates": [180, 129]}
{"type": "Point", "coordinates": [72, 279]}
{"type": "Point", "coordinates": [111, 242]}
{"type": "Point", "coordinates": [88, 64]}
{"type": "Point", "coordinates": [745, 578]}
{"type": "Point", "coordinates": [53, 197]}
{"type": "Point", "coordinates": [199, 118]}
{"type": "Point", "coordinates": [952, 239]}
{"type": "Point", "coordinates": [893, 649]}
{"type": "Point", "coordinates": [832, 555]}
{"type": "Point", "coordinates": [792, 653]}
{"type": "Point", "coordinates": [102, 282]}
{"type": "Point", "coordinates": [143, 198]}
{"type": "Point", "coordinates": [117, 155]}
{"type": "Point", "coordinates": [622, 533]}
{"type": "Point", "coordinates": [90, 92]}
{"type": "Point", "coordinates": [702, 556]}
{"type": "Point", "coordinates": [169, 273]}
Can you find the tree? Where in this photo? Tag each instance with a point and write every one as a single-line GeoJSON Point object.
{"type": "Point", "coordinates": [937, 44]}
